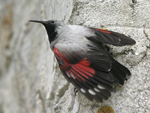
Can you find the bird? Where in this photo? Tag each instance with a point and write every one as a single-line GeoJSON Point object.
{"type": "Point", "coordinates": [83, 57]}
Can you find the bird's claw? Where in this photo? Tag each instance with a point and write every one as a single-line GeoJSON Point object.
{"type": "Point", "coordinates": [75, 91]}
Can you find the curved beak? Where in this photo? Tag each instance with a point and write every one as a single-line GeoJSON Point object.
{"type": "Point", "coordinates": [37, 21]}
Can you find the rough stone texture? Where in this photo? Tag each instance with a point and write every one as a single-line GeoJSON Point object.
{"type": "Point", "coordinates": [30, 81]}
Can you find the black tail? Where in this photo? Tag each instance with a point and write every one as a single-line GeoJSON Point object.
{"type": "Point", "coordinates": [120, 72]}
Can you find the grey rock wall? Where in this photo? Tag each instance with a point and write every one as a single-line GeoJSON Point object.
{"type": "Point", "coordinates": [30, 80]}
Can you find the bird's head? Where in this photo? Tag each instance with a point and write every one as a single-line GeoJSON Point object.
{"type": "Point", "coordinates": [51, 27]}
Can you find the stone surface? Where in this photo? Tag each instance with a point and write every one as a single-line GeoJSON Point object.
{"type": "Point", "coordinates": [30, 80]}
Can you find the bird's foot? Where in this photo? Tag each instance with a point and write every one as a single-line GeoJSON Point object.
{"type": "Point", "coordinates": [75, 91]}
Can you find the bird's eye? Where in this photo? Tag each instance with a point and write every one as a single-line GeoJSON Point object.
{"type": "Point", "coordinates": [52, 22]}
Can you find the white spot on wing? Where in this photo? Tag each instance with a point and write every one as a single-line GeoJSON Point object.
{"type": "Point", "coordinates": [96, 90]}
{"type": "Point", "coordinates": [119, 40]}
{"type": "Point", "coordinates": [109, 69]}
{"type": "Point", "coordinates": [91, 92]}
{"type": "Point", "coordinates": [82, 90]}
{"type": "Point", "coordinates": [101, 87]}
{"type": "Point", "coordinates": [73, 76]}
{"type": "Point", "coordinates": [68, 74]}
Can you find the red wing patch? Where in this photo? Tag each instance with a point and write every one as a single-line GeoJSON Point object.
{"type": "Point", "coordinates": [79, 71]}
{"type": "Point", "coordinates": [88, 81]}
{"type": "Point", "coordinates": [103, 31]}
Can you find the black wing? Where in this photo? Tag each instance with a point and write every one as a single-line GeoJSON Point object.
{"type": "Point", "coordinates": [94, 75]}
{"type": "Point", "coordinates": [110, 37]}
